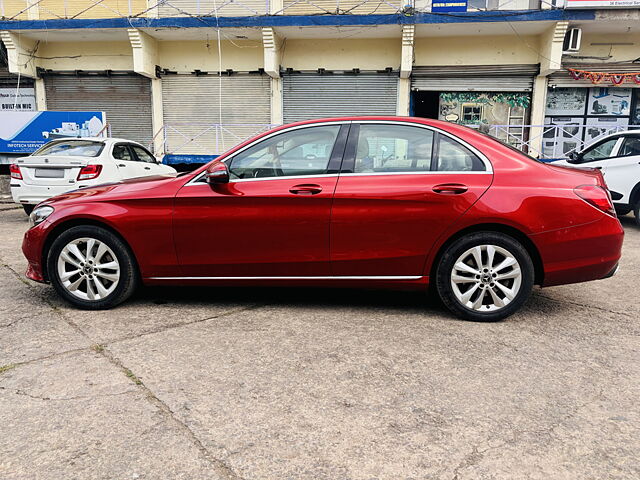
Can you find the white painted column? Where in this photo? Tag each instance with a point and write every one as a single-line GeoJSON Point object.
{"type": "Point", "coordinates": [272, 45]}
{"type": "Point", "coordinates": [538, 107]}
{"type": "Point", "coordinates": [157, 117]}
{"type": "Point", "coordinates": [406, 65]}
{"type": "Point", "coordinates": [404, 97]}
{"type": "Point", "coordinates": [41, 96]}
{"type": "Point", "coordinates": [277, 112]}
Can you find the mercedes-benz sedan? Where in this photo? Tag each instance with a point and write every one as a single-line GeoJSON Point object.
{"type": "Point", "coordinates": [385, 202]}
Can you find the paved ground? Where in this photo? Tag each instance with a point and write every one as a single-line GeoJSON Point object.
{"type": "Point", "coordinates": [294, 384]}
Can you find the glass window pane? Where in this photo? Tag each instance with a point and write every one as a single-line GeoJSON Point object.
{"type": "Point", "coordinates": [143, 155]}
{"type": "Point", "coordinates": [305, 151]}
{"type": "Point", "coordinates": [601, 151]}
{"type": "Point", "coordinates": [77, 148]}
{"type": "Point", "coordinates": [393, 148]}
{"type": "Point", "coordinates": [630, 147]}
{"type": "Point", "coordinates": [454, 157]}
{"type": "Point", "coordinates": [121, 152]}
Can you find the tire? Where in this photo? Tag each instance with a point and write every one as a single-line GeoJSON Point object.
{"type": "Point", "coordinates": [636, 213]}
{"type": "Point", "coordinates": [501, 297]}
{"type": "Point", "coordinates": [622, 211]}
{"type": "Point", "coordinates": [92, 288]}
{"type": "Point", "coordinates": [28, 208]}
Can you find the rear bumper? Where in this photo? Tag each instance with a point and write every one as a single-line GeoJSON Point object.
{"type": "Point", "coordinates": [582, 253]}
{"type": "Point", "coordinates": [34, 194]}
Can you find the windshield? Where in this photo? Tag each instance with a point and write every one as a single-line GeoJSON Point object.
{"type": "Point", "coordinates": [76, 148]}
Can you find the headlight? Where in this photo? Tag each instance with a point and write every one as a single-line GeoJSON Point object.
{"type": "Point", "coordinates": [40, 214]}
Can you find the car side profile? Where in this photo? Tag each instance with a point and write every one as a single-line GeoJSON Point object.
{"type": "Point", "coordinates": [382, 202]}
{"type": "Point", "coordinates": [618, 157]}
{"type": "Point", "coordinates": [70, 163]}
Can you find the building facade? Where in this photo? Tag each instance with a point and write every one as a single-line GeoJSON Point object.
{"type": "Point", "coordinates": [195, 77]}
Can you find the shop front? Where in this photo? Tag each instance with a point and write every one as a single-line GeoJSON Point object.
{"type": "Point", "coordinates": [495, 98]}
{"type": "Point", "coordinates": [579, 111]}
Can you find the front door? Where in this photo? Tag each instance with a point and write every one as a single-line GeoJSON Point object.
{"type": "Point", "coordinates": [401, 187]}
{"type": "Point", "coordinates": [622, 172]}
{"type": "Point", "coordinates": [272, 218]}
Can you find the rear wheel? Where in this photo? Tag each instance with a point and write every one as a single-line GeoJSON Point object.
{"type": "Point", "coordinates": [28, 208]}
{"type": "Point", "coordinates": [91, 268]}
{"type": "Point", "coordinates": [485, 276]}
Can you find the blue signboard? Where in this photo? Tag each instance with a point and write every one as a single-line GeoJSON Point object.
{"type": "Point", "coordinates": [446, 6]}
{"type": "Point", "coordinates": [25, 132]}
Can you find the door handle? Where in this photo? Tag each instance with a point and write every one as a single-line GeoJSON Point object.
{"type": "Point", "coordinates": [121, 165]}
{"type": "Point", "coordinates": [306, 189]}
{"type": "Point", "coordinates": [147, 168]}
{"type": "Point", "coordinates": [450, 188]}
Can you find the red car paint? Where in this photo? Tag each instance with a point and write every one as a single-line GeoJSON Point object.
{"type": "Point", "coordinates": [381, 226]}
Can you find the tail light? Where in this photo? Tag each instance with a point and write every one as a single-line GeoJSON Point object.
{"type": "Point", "coordinates": [89, 172]}
{"type": "Point", "coordinates": [15, 172]}
{"type": "Point", "coordinates": [597, 196]}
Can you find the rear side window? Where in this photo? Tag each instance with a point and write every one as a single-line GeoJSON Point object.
{"type": "Point", "coordinates": [393, 148]}
{"type": "Point", "coordinates": [455, 157]}
{"type": "Point", "coordinates": [76, 148]}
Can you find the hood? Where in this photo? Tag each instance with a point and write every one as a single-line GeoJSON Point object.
{"type": "Point", "coordinates": [123, 190]}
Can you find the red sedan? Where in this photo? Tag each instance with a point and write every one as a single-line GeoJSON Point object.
{"type": "Point", "coordinates": [390, 202]}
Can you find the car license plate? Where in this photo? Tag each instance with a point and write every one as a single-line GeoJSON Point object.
{"type": "Point", "coordinates": [49, 172]}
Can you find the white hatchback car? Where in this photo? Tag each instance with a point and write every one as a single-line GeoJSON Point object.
{"type": "Point", "coordinates": [618, 156]}
{"type": "Point", "coordinates": [71, 163]}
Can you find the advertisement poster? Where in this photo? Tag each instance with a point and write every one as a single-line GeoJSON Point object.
{"type": "Point", "coordinates": [566, 101]}
{"type": "Point", "coordinates": [17, 100]}
{"type": "Point", "coordinates": [597, 127]}
{"type": "Point", "coordinates": [25, 132]}
{"type": "Point", "coordinates": [609, 101]}
{"type": "Point", "coordinates": [602, 4]}
{"type": "Point", "coordinates": [446, 6]}
{"type": "Point", "coordinates": [562, 136]}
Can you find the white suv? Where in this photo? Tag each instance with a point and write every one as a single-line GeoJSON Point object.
{"type": "Point", "coordinates": [618, 156]}
{"type": "Point", "coordinates": [72, 163]}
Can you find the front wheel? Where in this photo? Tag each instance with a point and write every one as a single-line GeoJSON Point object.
{"type": "Point", "coordinates": [485, 276]}
{"type": "Point", "coordinates": [91, 268]}
{"type": "Point", "coordinates": [636, 213]}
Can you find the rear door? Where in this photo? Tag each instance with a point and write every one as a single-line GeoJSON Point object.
{"type": "Point", "coordinates": [126, 161]}
{"type": "Point", "coordinates": [401, 186]}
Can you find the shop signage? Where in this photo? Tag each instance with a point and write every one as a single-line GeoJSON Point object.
{"type": "Point", "coordinates": [25, 132]}
{"type": "Point", "coordinates": [17, 99]}
{"type": "Point", "coordinates": [445, 6]}
{"type": "Point", "coordinates": [602, 3]}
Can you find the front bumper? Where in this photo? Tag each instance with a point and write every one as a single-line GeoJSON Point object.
{"type": "Point", "coordinates": [32, 247]}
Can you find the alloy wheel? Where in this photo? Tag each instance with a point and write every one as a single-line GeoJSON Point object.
{"type": "Point", "coordinates": [88, 269]}
{"type": "Point", "coordinates": [486, 278]}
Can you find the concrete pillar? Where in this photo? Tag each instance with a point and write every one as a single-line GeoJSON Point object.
{"type": "Point", "coordinates": [145, 52]}
{"type": "Point", "coordinates": [538, 107]}
{"type": "Point", "coordinates": [404, 96]}
{"type": "Point", "coordinates": [19, 51]}
{"type": "Point", "coordinates": [277, 113]}
{"type": "Point", "coordinates": [271, 44]}
{"type": "Point", "coordinates": [157, 118]}
{"type": "Point", "coordinates": [41, 96]}
{"type": "Point", "coordinates": [33, 13]}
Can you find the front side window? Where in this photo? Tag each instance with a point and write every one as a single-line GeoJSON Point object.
{"type": "Point", "coordinates": [393, 148]}
{"type": "Point", "coordinates": [455, 157]}
{"type": "Point", "coordinates": [76, 148]}
{"type": "Point", "coordinates": [305, 151]}
{"type": "Point", "coordinates": [630, 147]}
{"type": "Point", "coordinates": [600, 151]}
{"type": "Point", "coordinates": [143, 155]}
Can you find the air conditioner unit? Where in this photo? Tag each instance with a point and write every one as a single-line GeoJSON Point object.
{"type": "Point", "coordinates": [572, 40]}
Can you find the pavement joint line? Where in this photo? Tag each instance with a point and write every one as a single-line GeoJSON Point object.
{"type": "Point", "coordinates": [222, 468]}
{"type": "Point", "coordinates": [593, 307]}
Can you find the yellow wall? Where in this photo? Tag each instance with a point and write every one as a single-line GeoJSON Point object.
{"type": "Point", "coordinates": [365, 54]}
{"type": "Point", "coordinates": [489, 50]}
{"type": "Point", "coordinates": [104, 9]}
{"type": "Point", "coordinates": [10, 8]}
{"type": "Point", "coordinates": [85, 56]}
{"type": "Point", "coordinates": [245, 55]}
{"type": "Point", "coordinates": [618, 53]}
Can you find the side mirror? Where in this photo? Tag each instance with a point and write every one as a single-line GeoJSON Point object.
{"type": "Point", "coordinates": [217, 172]}
{"type": "Point", "coordinates": [574, 157]}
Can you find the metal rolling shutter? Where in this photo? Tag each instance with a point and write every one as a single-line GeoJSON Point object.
{"type": "Point", "coordinates": [564, 79]}
{"type": "Point", "coordinates": [475, 78]}
{"type": "Point", "coordinates": [126, 100]}
{"type": "Point", "coordinates": [191, 109]}
{"type": "Point", "coordinates": [184, 8]}
{"type": "Point", "coordinates": [307, 96]}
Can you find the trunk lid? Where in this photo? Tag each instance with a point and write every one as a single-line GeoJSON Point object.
{"type": "Point", "coordinates": [53, 170]}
